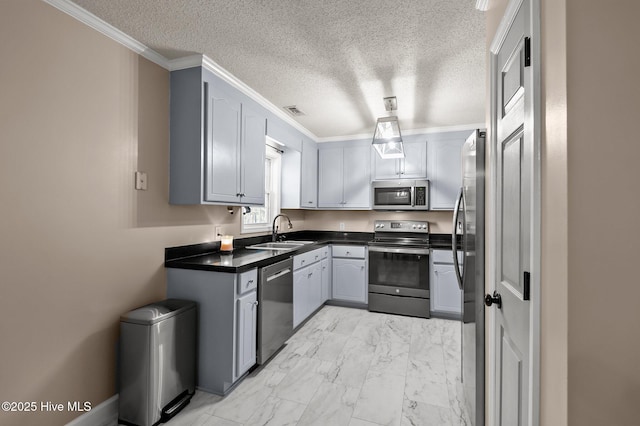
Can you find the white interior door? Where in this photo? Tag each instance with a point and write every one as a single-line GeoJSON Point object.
{"type": "Point", "coordinates": [513, 148]}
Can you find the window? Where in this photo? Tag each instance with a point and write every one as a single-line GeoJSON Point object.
{"type": "Point", "coordinates": [261, 217]}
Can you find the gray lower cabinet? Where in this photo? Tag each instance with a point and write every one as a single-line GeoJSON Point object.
{"type": "Point", "coordinates": [246, 332]}
{"type": "Point", "coordinates": [227, 322]}
{"type": "Point", "coordinates": [217, 142]}
{"type": "Point", "coordinates": [307, 284]}
{"type": "Point", "coordinates": [446, 296]}
{"type": "Point", "coordinates": [349, 278]}
{"type": "Point", "coordinates": [326, 279]}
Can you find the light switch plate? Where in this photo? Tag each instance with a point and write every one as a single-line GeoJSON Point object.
{"type": "Point", "coordinates": [342, 226]}
{"type": "Point", "coordinates": [219, 233]}
{"type": "Point", "coordinates": [141, 181]}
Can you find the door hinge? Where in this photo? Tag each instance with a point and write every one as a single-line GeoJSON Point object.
{"type": "Point", "coordinates": [526, 288]}
{"type": "Point", "coordinates": [527, 52]}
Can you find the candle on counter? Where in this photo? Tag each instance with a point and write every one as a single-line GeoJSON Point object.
{"type": "Point", "coordinates": [226, 243]}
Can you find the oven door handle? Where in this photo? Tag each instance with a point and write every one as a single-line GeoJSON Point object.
{"type": "Point", "coordinates": [399, 250]}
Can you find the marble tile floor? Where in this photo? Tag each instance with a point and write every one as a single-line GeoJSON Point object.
{"type": "Point", "coordinates": [348, 367]}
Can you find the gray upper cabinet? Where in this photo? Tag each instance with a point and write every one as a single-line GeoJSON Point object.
{"type": "Point", "coordinates": [300, 177]}
{"type": "Point", "coordinates": [330, 177]}
{"type": "Point", "coordinates": [252, 153]}
{"type": "Point", "coordinates": [309, 177]}
{"type": "Point", "coordinates": [217, 142]}
{"type": "Point", "coordinates": [445, 168]}
{"type": "Point", "coordinates": [222, 147]}
{"type": "Point", "coordinates": [413, 166]}
{"type": "Point", "coordinates": [344, 177]}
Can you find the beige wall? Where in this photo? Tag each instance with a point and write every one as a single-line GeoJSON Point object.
{"type": "Point", "coordinates": [604, 204]}
{"type": "Point", "coordinates": [554, 215]}
{"type": "Point", "coordinates": [362, 221]}
{"type": "Point", "coordinates": [78, 246]}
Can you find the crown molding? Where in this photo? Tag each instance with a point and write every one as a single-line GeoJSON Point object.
{"type": "Point", "coordinates": [424, 131]}
{"type": "Point", "coordinates": [108, 30]}
{"type": "Point", "coordinates": [91, 20]}
{"type": "Point", "coordinates": [204, 61]}
{"type": "Point", "coordinates": [115, 34]}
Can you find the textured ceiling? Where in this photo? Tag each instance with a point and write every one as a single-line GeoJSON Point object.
{"type": "Point", "coordinates": [334, 60]}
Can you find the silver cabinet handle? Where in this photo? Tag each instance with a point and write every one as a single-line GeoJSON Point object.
{"type": "Point", "coordinates": [249, 282]}
{"type": "Point", "coordinates": [255, 303]}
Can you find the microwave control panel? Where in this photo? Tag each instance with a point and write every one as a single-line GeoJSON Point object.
{"type": "Point", "coordinates": [421, 196]}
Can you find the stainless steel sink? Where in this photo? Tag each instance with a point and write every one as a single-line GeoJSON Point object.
{"type": "Point", "coordinates": [281, 245]}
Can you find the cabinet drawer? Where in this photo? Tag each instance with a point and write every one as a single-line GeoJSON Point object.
{"type": "Point", "coordinates": [247, 281]}
{"type": "Point", "coordinates": [444, 256]}
{"type": "Point", "coordinates": [356, 252]}
{"type": "Point", "coordinates": [306, 259]}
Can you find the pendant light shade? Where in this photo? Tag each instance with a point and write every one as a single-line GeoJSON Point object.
{"type": "Point", "coordinates": [387, 139]}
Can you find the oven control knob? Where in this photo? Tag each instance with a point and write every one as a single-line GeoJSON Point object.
{"type": "Point", "coordinates": [414, 227]}
{"type": "Point", "coordinates": [382, 225]}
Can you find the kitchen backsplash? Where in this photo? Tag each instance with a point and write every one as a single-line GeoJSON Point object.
{"type": "Point", "coordinates": [362, 221]}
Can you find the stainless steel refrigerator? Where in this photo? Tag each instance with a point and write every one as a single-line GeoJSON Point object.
{"type": "Point", "coordinates": [468, 238]}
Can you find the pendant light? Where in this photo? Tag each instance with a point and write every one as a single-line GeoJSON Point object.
{"type": "Point", "coordinates": [387, 139]}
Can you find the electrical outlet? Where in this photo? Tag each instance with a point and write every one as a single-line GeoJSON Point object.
{"type": "Point", "coordinates": [342, 226]}
{"type": "Point", "coordinates": [141, 181]}
{"type": "Point", "coordinates": [219, 233]}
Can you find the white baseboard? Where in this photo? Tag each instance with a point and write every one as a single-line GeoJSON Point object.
{"type": "Point", "coordinates": [103, 414]}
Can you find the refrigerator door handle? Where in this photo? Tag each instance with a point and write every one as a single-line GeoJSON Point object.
{"type": "Point", "coordinates": [454, 237]}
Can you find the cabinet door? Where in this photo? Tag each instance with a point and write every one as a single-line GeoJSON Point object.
{"type": "Point", "coordinates": [349, 280]}
{"type": "Point", "coordinates": [252, 156]}
{"type": "Point", "coordinates": [309, 176]}
{"type": "Point", "coordinates": [414, 164]}
{"type": "Point", "coordinates": [222, 183]}
{"type": "Point", "coordinates": [445, 168]}
{"type": "Point", "coordinates": [357, 177]}
{"type": "Point", "coordinates": [299, 296]}
{"type": "Point", "coordinates": [385, 168]}
{"type": "Point", "coordinates": [246, 329]}
{"type": "Point", "coordinates": [326, 280]}
{"type": "Point", "coordinates": [446, 295]}
{"type": "Point", "coordinates": [314, 278]}
{"type": "Point", "coordinates": [330, 162]}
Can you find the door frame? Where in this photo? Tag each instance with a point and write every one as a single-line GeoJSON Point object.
{"type": "Point", "coordinates": [535, 124]}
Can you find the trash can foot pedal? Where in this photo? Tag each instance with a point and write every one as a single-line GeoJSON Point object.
{"type": "Point", "coordinates": [175, 406]}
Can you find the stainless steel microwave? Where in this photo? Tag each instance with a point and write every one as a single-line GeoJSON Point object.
{"type": "Point", "coordinates": [400, 194]}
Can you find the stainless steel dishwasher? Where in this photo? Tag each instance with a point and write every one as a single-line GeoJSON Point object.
{"type": "Point", "coordinates": [275, 308]}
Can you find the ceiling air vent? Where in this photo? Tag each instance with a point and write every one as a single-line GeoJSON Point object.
{"type": "Point", "coordinates": [293, 110]}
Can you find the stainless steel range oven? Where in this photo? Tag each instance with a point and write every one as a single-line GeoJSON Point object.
{"type": "Point", "coordinates": [399, 268]}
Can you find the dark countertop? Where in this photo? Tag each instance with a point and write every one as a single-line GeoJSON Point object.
{"type": "Point", "coordinates": [207, 256]}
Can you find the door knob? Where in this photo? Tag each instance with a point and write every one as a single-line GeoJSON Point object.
{"type": "Point", "coordinates": [495, 298]}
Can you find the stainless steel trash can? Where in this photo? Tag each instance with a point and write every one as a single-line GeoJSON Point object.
{"type": "Point", "coordinates": [157, 361]}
